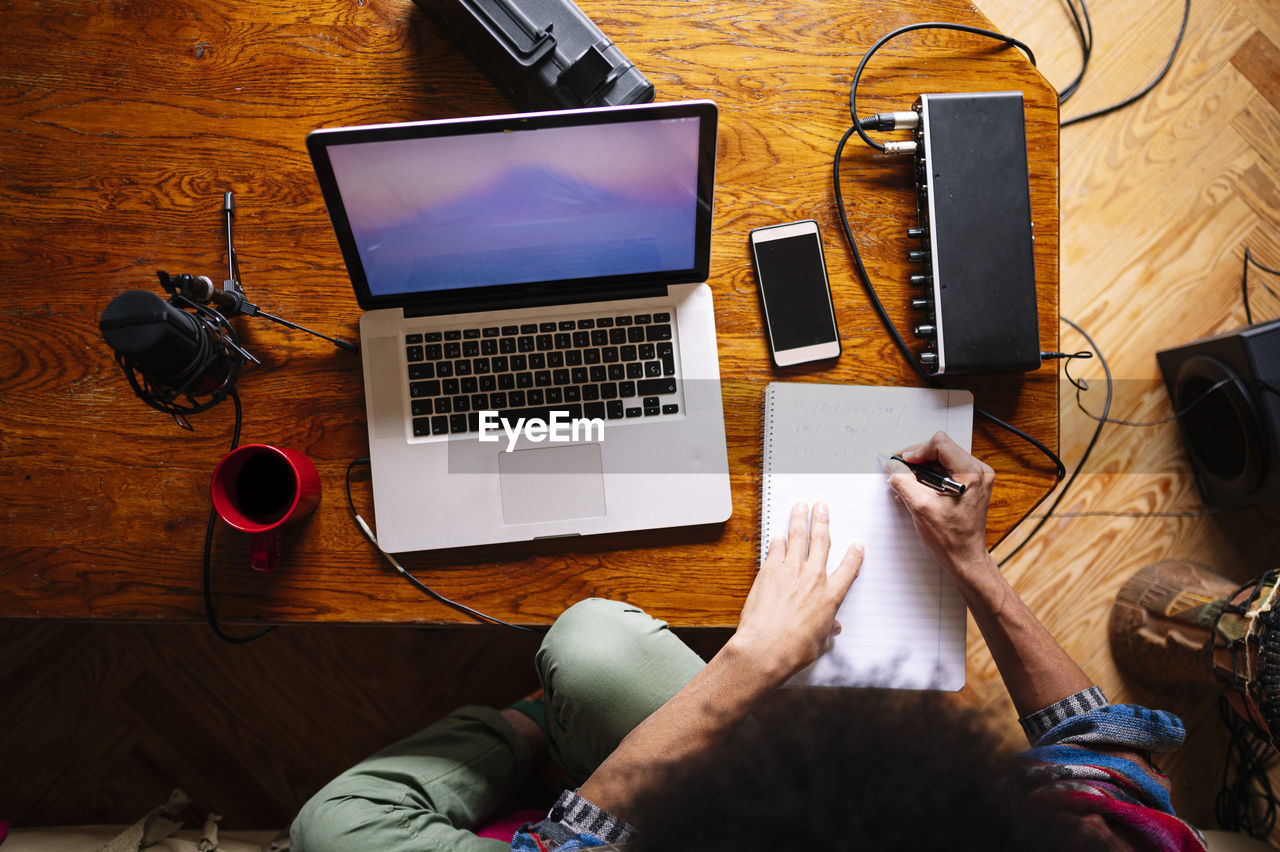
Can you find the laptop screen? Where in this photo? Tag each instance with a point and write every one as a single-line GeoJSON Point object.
{"type": "Point", "coordinates": [592, 197]}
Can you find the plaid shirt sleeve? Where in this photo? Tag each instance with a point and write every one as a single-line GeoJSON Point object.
{"type": "Point", "coordinates": [1036, 725]}
{"type": "Point", "coordinates": [1092, 759]}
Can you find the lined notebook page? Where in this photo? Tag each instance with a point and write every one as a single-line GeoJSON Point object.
{"type": "Point", "coordinates": [903, 621]}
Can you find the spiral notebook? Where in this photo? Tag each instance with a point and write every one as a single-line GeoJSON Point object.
{"type": "Point", "coordinates": [903, 621]}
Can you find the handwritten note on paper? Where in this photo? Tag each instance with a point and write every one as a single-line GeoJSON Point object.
{"type": "Point", "coordinates": [903, 621]}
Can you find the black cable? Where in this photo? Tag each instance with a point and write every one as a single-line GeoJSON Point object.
{"type": "Point", "coordinates": [463, 608]}
{"type": "Point", "coordinates": [1084, 29]}
{"type": "Point", "coordinates": [1252, 260]}
{"type": "Point", "coordinates": [208, 550]}
{"type": "Point", "coordinates": [893, 331]}
{"type": "Point", "coordinates": [1244, 283]}
{"type": "Point", "coordinates": [1106, 409]}
{"type": "Point", "coordinates": [1244, 287]}
{"type": "Point", "coordinates": [1080, 385]}
{"type": "Point", "coordinates": [1177, 415]}
{"type": "Point", "coordinates": [1250, 756]}
{"type": "Point", "coordinates": [929, 25]}
{"type": "Point", "coordinates": [1182, 31]}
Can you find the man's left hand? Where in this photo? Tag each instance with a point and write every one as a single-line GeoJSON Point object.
{"type": "Point", "coordinates": [791, 609]}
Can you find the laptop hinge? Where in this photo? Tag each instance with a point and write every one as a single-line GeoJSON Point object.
{"type": "Point", "coordinates": [438, 307]}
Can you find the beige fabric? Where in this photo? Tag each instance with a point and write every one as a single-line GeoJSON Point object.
{"type": "Point", "coordinates": [158, 831]}
{"type": "Point", "coordinates": [90, 838]}
{"type": "Point", "coordinates": [152, 828]}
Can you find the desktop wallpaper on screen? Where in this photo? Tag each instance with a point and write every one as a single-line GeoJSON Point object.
{"type": "Point", "coordinates": [522, 206]}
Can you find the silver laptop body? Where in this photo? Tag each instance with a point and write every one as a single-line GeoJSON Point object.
{"type": "Point", "coordinates": [548, 269]}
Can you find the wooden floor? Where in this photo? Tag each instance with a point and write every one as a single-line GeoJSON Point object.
{"type": "Point", "coordinates": [1158, 202]}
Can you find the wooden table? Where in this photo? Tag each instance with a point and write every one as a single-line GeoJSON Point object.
{"type": "Point", "coordinates": [122, 125]}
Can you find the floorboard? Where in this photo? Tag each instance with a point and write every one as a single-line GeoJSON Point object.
{"type": "Point", "coordinates": [1159, 202]}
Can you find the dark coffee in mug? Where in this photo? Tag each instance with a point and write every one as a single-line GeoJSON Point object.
{"type": "Point", "coordinates": [265, 488]}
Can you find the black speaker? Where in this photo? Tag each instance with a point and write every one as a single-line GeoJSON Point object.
{"type": "Point", "coordinates": [1227, 389]}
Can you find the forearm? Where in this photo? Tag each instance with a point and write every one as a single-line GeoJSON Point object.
{"type": "Point", "coordinates": [1035, 668]}
{"type": "Point", "coordinates": [788, 616]}
{"type": "Point", "coordinates": [707, 709]}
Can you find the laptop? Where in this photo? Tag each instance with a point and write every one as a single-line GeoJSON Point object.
{"type": "Point", "coordinates": [537, 333]}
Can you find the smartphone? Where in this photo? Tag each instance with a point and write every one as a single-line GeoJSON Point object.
{"type": "Point", "coordinates": [792, 276]}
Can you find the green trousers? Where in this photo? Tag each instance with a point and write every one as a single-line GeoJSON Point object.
{"type": "Point", "coordinates": [604, 667]}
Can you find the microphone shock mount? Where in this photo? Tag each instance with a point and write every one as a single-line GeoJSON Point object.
{"type": "Point", "coordinates": [202, 323]}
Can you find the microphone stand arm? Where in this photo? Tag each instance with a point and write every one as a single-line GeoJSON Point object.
{"type": "Point", "coordinates": [232, 283]}
{"type": "Point", "coordinates": [231, 300]}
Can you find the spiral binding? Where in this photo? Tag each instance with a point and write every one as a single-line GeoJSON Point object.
{"type": "Point", "coordinates": [766, 465]}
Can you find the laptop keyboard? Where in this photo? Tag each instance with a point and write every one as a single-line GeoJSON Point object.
{"type": "Point", "coordinates": [610, 367]}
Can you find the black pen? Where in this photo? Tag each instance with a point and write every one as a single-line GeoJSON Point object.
{"type": "Point", "coordinates": [930, 477]}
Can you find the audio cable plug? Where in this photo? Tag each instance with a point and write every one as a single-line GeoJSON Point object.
{"type": "Point", "coordinates": [905, 120]}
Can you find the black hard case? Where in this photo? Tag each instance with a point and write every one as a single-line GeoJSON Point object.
{"type": "Point", "coordinates": [541, 54]}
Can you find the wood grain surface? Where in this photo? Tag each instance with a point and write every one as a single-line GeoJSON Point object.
{"type": "Point", "coordinates": [123, 123]}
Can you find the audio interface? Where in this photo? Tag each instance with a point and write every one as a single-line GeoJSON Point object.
{"type": "Point", "coordinates": [975, 289]}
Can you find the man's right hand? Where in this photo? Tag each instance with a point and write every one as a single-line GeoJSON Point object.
{"type": "Point", "coordinates": [1035, 668]}
{"type": "Point", "coordinates": [952, 527]}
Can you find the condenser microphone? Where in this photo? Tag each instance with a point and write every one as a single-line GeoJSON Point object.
{"type": "Point", "coordinates": [164, 343]}
{"type": "Point", "coordinates": [177, 361]}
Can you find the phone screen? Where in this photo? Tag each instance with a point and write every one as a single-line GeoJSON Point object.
{"type": "Point", "coordinates": [793, 280]}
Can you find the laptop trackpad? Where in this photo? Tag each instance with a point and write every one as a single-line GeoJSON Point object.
{"type": "Point", "coordinates": [552, 484]}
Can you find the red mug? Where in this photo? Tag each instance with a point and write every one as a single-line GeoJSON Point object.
{"type": "Point", "coordinates": [261, 490]}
